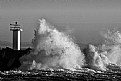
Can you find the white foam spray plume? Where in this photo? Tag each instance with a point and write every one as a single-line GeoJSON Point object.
{"type": "Point", "coordinates": [113, 37]}
{"type": "Point", "coordinates": [54, 49]}
{"type": "Point", "coordinates": [110, 53]}
{"type": "Point", "coordinates": [94, 59]}
{"type": "Point", "coordinates": [113, 44]}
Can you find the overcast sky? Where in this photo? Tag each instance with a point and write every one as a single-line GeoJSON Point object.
{"type": "Point", "coordinates": [86, 18]}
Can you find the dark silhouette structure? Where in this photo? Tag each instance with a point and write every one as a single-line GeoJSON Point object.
{"type": "Point", "coordinates": [9, 58]}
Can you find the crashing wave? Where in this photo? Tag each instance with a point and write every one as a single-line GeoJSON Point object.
{"type": "Point", "coordinates": [56, 50]}
{"type": "Point", "coordinates": [95, 60]}
{"type": "Point", "coordinates": [113, 46]}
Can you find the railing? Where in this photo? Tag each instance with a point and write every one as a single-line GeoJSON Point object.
{"type": "Point", "coordinates": [15, 28]}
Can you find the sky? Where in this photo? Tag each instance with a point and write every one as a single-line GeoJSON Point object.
{"type": "Point", "coordinates": [85, 18]}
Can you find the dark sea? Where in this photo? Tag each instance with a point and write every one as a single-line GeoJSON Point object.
{"type": "Point", "coordinates": [61, 75]}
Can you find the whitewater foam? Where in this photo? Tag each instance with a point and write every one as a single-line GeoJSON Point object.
{"type": "Point", "coordinates": [113, 45]}
{"type": "Point", "coordinates": [56, 50]}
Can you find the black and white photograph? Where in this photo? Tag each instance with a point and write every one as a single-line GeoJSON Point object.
{"type": "Point", "coordinates": [60, 40]}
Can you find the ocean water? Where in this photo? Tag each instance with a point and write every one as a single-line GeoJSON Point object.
{"type": "Point", "coordinates": [61, 75]}
{"type": "Point", "coordinates": [56, 56]}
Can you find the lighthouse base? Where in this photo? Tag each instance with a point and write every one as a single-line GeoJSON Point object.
{"type": "Point", "coordinates": [16, 40]}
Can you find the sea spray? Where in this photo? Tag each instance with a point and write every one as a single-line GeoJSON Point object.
{"type": "Point", "coordinates": [54, 49]}
{"type": "Point", "coordinates": [103, 55]}
{"type": "Point", "coordinates": [113, 37]}
{"type": "Point", "coordinates": [113, 46]}
{"type": "Point", "coordinates": [94, 60]}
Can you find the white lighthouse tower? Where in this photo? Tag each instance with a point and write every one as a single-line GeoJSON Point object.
{"type": "Point", "coordinates": [16, 35]}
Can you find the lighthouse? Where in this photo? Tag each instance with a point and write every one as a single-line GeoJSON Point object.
{"type": "Point", "coordinates": [16, 28]}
